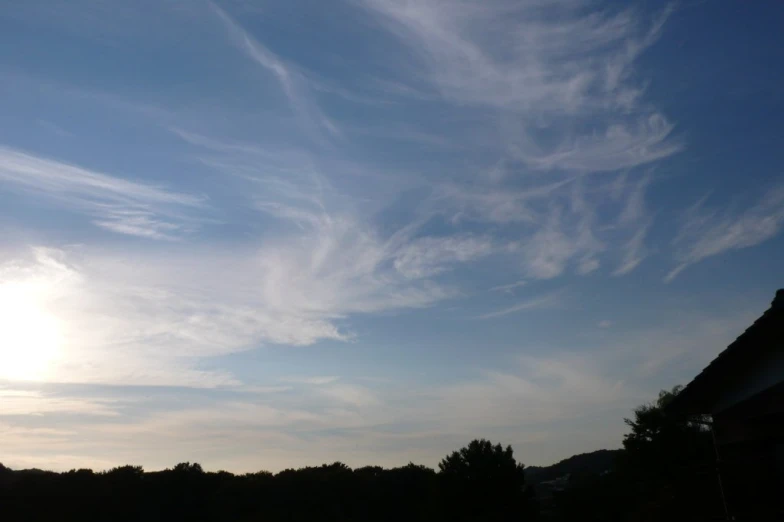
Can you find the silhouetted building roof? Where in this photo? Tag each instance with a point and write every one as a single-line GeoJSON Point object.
{"type": "Point", "coordinates": [758, 342]}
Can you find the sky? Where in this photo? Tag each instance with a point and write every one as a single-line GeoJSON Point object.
{"type": "Point", "coordinates": [266, 234]}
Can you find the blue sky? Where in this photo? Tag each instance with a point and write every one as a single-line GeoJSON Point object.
{"type": "Point", "coordinates": [269, 234]}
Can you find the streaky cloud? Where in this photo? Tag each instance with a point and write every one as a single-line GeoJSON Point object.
{"type": "Point", "coordinates": [293, 84]}
{"type": "Point", "coordinates": [706, 232]}
{"type": "Point", "coordinates": [113, 203]}
{"type": "Point", "coordinates": [550, 300]}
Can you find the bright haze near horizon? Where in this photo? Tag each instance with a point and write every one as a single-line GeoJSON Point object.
{"type": "Point", "coordinates": [268, 234]}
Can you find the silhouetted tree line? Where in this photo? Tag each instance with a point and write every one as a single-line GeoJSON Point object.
{"type": "Point", "coordinates": [666, 471]}
{"type": "Point", "coordinates": [480, 482]}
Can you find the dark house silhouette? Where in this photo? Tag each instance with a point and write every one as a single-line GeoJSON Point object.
{"type": "Point", "coordinates": [743, 391]}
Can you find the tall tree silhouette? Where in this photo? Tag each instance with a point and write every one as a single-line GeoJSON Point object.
{"type": "Point", "coordinates": [671, 462]}
{"type": "Point", "coordinates": [483, 481]}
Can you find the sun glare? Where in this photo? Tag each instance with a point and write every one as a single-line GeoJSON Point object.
{"type": "Point", "coordinates": [30, 337]}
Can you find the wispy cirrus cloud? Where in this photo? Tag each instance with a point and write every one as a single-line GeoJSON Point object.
{"type": "Point", "coordinates": [544, 48]}
{"type": "Point", "coordinates": [545, 301]}
{"type": "Point", "coordinates": [493, 204]}
{"type": "Point", "coordinates": [150, 321]}
{"type": "Point", "coordinates": [349, 394]}
{"type": "Point", "coordinates": [563, 107]}
{"type": "Point", "coordinates": [558, 227]}
{"type": "Point", "coordinates": [550, 389]}
{"type": "Point", "coordinates": [636, 220]}
{"type": "Point", "coordinates": [296, 191]}
{"type": "Point", "coordinates": [292, 82]}
{"type": "Point", "coordinates": [509, 288]}
{"type": "Point", "coordinates": [556, 63]}
{"type": "Point", "coordinates": [566, 235]}
{"type": "Point", "coordinates": [405, 418]}
{"type": "Point", "coordinates": [706, 232]}
{"type": "Point", "coordinates": [429, 256]}
{"type": "Point", "coordinates": [149, 324]}
{"type": "Point", "coordinates": [116, 204]}
{"type": "Point", "coordinates": [634, 251]}
{"type": "Point", "coordinates": [348, 420]}
{"type": "Point", "coordinates": [34, 402]}
{"type": "Point", "coordinates": [619, 146]}
{"type": "Point", "coordinates": [313, 381]}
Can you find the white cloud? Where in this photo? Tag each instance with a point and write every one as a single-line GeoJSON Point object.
{"type": "Point", "coordinates": [315, 381]}
{"type": "Point", "coordinates": [551, 64]}
{"type": "Point", "coordinates": [119, 205]}
{"type": "Point", "coordinates": [522, 55]}
{"type": "Point", "coordinates": [336, 245]}
{"type": "Point", "coordinates": [149, 319]}
{"type": "Point", "coordinates": [509, 288]}
{"type": "Point", "coordinates": [492, 205]}
{"type": "Point", "coordinates": [620, 146]}
{"type": "Point", "coordinates": [634, 218]}
{"type": "Point", "coordinates": [27, 402]}
{"type": "Point", "coordinates": [675, 353]}
{"type": "Point", "coordinates": [293, 84]}
{"type": "Point", "coordinates": [263, 390]}
{"type": "Point", "coordinates": [429, 256]}
{"type": "Point", "coordinates": [566, 235]}
{"type": "Point", "coordinates": [557, 82]}
{"type": "Point", "coordinates": [532, 391]}
{"type": "Point", "coordinates": [339, 267]}
{"type": "Point", "coordinates": [351, 423]}
{"type": "Point", "coordinates": [708, 232]}
{"type": "Point", "coordinates": [323, 418]}
{"type": "Point", "coordinates": [559, 227]}
{"type": "Point", "coordinates": [124, 325]}
{"type": "Point", "coordinates": [547, 253]}
{"type": "Point", "coordinates": [634, 252]}
{"type": "Point", "coordinates": [138, 223]}
{"type": "Point", "coordinates": [352, 395]}
{"type": "Point", "coordinates": [551, 300]}
{"type": "Point", "coordinates": [548, 93]}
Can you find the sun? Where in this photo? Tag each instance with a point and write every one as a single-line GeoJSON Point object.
{"type": "Point", "coordinates": [30, 337]}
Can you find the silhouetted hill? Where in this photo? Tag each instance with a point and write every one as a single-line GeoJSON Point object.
{"type": "Point", "coordinates": [593, 463]}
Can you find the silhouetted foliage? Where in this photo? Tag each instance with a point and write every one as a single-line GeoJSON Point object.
{"type": "Point", "coordinates": [324, 493]}
{"type": "Point", "coordinates": [665, 471]}
{"type": "Point", "coordinates": [484, 482]}
{"type": "Point", "coordinates": [672, 462]}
